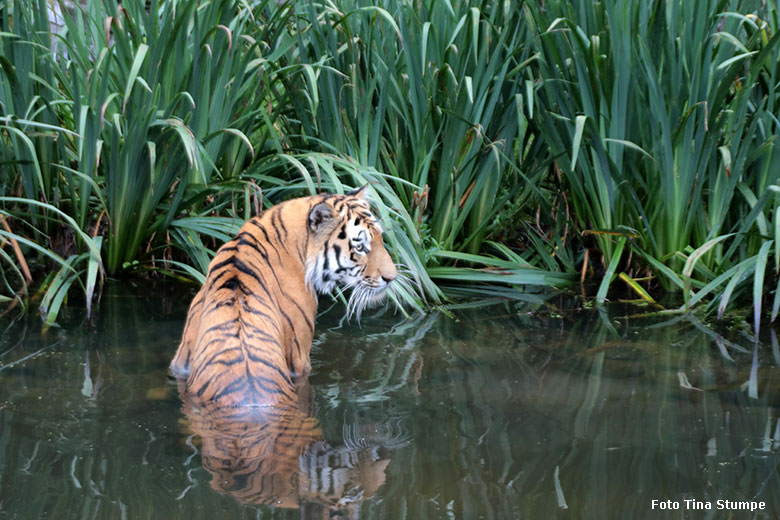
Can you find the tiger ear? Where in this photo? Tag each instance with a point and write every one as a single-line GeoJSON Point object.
{"type": "Point", "coordinates": [320, 215]}
{"type": "Point", "coordinates": [360, 192]}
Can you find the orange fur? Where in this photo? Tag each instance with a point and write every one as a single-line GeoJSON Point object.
{"type": "Point", "coordinates": [277, 456]}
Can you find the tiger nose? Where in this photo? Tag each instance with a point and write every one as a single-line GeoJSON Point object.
{"type": "Point", "coordinates": [390, 275]}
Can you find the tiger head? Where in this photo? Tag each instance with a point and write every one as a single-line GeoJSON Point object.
{"type": "Point", "coordinates": [346, 250]}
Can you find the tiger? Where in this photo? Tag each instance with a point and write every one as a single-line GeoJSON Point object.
{"type": "Point", "coordinates": [249, 328]}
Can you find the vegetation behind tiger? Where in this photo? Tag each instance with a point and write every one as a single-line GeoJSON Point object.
{"type": "Point", "coordinates": [513, 148]}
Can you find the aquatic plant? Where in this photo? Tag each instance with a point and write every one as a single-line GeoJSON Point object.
{"type": "Point", "coordinates": [508, 145]}
{"type": "Point", "coordinates": [662, 117]}
{"type": "Point", "coordinates": [437, 95]}
{"type": "Point", "coordinates": [131, 120]}
{"type": "Point", "coordinates": [178, 115]}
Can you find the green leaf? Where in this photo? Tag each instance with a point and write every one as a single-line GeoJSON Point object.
{"type": "Point", "coordinates": [629, 144]}
{"type": "Point", "coordinates": [601, 295]}
{"type": "Point", "coordinates": [636, 288]}
{"type": "Point", "coordinates": [694, 257]}
{"type": "Point", "coordinates": [134, 69]}
{"type": "Point", "coordinates": [93, 268]}
{"type": "Point", "coordinates": [758, 283]}
{"type": "Point", "coordinates": [735, 59]}
{"type": "Point", "coordinates": [743, 269]}
{"type": "Point", "coordinates": [579, 127]}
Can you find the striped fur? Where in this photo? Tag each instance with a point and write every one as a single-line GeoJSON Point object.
{"type": "Point", "coordinates": [249, 329]}
{"type": "Point", "coordinates": [277, 456]}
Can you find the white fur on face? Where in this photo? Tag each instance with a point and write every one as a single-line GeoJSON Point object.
{"type": "Point", "coordinates": [342, 260]}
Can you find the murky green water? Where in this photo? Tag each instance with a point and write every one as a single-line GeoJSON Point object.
{"type": "Point", "coordinates": [499, 415]}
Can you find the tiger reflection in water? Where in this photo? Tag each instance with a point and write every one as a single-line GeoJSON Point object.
{"type": "Point", "coordinates": [278, 456]}
{"type": "Point", "coordinates": [244, 357]}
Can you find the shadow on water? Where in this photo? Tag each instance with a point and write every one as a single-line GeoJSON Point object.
{"type": "Point", "coordinates": [496, 414]}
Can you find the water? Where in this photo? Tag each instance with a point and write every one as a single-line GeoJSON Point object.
{"type": "Point", "coordinates": [499, 413]}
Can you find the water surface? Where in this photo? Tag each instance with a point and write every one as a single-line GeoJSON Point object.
{"type": "Point", "coordinates": [493, 413]}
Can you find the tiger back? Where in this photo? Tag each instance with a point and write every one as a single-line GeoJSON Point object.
{"type": "Point", "coordinates": [249, 329]}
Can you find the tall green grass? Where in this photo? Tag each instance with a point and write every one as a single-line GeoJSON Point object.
{"type": "Point", "coordinates": [508, 144]}
{"type": "Point", "coordinates": [133, 119]}
{"type": "Point", "coordinates": [171, 97]}
{"type": "Point", "coordinates": [33, 148]}
{"type": "Point", "coordinates": [439, 96]}
{"type": "Point", "coordinates": [662, 117]}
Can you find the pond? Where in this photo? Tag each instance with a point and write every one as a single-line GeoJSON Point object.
{"type": "Point", "coordinates": [498, 412]}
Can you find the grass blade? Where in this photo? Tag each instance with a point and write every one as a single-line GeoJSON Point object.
{"type": "Point", "coordinates": [133, 75]}
{"type": "Point", "coordinates": [93, 269]}
{"type": "Point", "coordinates": [758, 283]}
{"type": "Point", "coordinates": [601, 295]}
{"type": "Point", "coordinates": [743, 269]}
{"type": "Point", "coordinates": [576, 144]}
{"type": "Point", "coordinates": [637, 288]}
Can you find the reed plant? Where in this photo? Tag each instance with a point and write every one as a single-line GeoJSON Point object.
{"type": "Point", "coordinates": [439, 96]}
{"type": "Point", "coordinates": [33, 149]}
{"type": "Point", "coordinates": [172, 97]}
{"type": "Point", "coordinates": [133, 122]}
{"type": "Point", "coordinates": [662, 117]}
{"type": "Point", "coordinates": [508, 144]}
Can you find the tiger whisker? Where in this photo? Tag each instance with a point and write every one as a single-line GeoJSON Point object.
{"type": "Point", "coordinates": [344, 288]}
{"type": "Point", "coordinates": [364, 297]}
